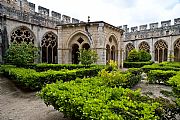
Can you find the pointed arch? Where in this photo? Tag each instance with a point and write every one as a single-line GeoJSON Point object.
{"type": "Point", "coordinates": [49, 45]}
{"type": "Point", "coordinates": [128, 49]}
{"type": "Point", "coordinates": [161, 51]}
{"type": "Point", "coordinates": [177, 50]}
{"type": "Point", "coordinates": [144, 46]}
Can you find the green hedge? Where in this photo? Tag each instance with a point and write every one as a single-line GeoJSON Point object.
{"type": "Point", "coordinates": [158, 66]}
{"type": "Point", "coordinates": [175, 82]}
{"type": "Point", "coordinates": [136, 64]}
{"type": "Point", "coordinates": [30, 79]}
{"type": "Point", "coordinates": [159, 76]}
{"type": "Point", "coordinates": [90, 98]}
{"type": "Point", "coordinates": [45, 67]}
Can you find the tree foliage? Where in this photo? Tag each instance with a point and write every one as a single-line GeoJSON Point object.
{"type": "Point", "coordinates": [21, 54]}
{"type": "Point", "coordinates": [138, 56]}
{"type": "Point", "coordinates": [87, 57]}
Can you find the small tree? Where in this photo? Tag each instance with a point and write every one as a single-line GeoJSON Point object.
{"type": "Point", "coordinates": [133, 56]}
{"type": "Point", "coordinates": [87, 57]}
{"type": "Point", "coordinates": [144, 56]}
{"type": "Point", "coordinates": [21, 54]}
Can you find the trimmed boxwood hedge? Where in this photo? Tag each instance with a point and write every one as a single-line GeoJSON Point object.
{"type": "Point", "coordinates": [44, 66]}
{"type": "Point", "coordinates": [30, 79]}
{"type": "Point", "coordinates": [136, 64]}
{"type": "Point", "coordinates": [157, 66]}
{"type": "Point", "coordinates": [91, 98]}
{"type": "Point", "coordinates": [159, 76]}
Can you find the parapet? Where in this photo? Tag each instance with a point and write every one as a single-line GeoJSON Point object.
{"type": "Point", "coordinates": [153, 25]}
{"type": "Point", "coordinates": [143, 27]}
{"type": "Point", "coordinates": [66, 19]}
{"type": "Point", "coordinates": [32, 7]}
{"type": "Point", "coordinates": [166, 23]}
{"type": "Point", "coordinates": [43, 11]}
{"type": "Point", "coordinates": [176, 21]}
{"type": "Point", "coordinates": [134, 29]}
{"type": "Point", "coordinates": [25, 11]}
{"type": "Point", "coordinates": [56, 15]}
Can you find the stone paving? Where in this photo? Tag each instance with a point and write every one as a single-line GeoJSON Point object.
{"type": "Point", "coordinates": [18, 105]}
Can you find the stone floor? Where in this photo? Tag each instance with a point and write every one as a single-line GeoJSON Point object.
{"type": "Point", "coordinates": [18, 105]}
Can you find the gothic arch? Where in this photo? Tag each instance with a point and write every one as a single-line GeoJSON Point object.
{"type": "Point", "coordinates": [111, 49]}
{"type": "Point", "coordinates": [177, 50]}
{"type": "Point", "coordinates": [75, 36]}
{"type": "Point", "coordinates": [144, 46]}
{"type": "Point", "coordinates": [78, 41]}
{"type": "Point", "coordinates": [161, 51]}
{"type": "Point", "coordinates": [129, 47]}
{"type": "Point", "coordinates": [49, 45]}
{"type": "Point", "coordinates": [22, 34]}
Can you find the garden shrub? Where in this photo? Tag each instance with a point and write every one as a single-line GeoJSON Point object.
{"type": "Point", "coordinates": [90, 99]}
{"type": "Point", "coordinates": [126, 79]}
{"type": "Point", "coordinates": [159, 76]}
{"type": "Point", "coordinates": [159, 66]}
{"type": "Point", "coordinates": [136, 64]}
{"type": "Point", "coordinates": [21, 54]}
{"type": "Point", "coordinates": [30, 79]}
{"type": "Point", "coordinates": [138, 56]}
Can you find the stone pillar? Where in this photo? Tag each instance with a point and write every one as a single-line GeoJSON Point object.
{"type": "Point", "coordinates": [102, 56]}
{"type": "Point", "coordinates": [0, 40]}
{"type": "Point", "coordinates": [152, 52]}
{"type": "Point", "coordinates": [170, 50]}
{"type": "Point", "coordinates": [100, 46]}
{"type": "Point", "coordinates": [60, 45]}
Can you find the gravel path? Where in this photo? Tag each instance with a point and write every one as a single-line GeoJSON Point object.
{"type": "Point", "coordinates": [18, 105]}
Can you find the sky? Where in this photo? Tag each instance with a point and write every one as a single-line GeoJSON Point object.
{"type": "Point", "coordinates": [116, 12]}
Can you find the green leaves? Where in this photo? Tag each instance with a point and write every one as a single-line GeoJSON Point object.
{"type": "Point", "coordinates": [21, 54]}
{"type": "Point", "coordinates": [88, 57]}
{"type": "Point", "coordinates": [138, 56]}
{"type": "Point", "coordinates": [92, 99]}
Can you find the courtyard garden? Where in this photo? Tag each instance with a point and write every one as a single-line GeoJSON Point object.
{"type": "Point", "coordinates": [87, 91]}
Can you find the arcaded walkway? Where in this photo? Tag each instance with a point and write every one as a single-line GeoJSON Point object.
{"type": "Point", "coordinates": [18, 105]}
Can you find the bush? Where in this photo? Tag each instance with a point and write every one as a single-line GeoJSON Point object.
{"type": "Point", "coordinates": [88, 57]}
{"type": "Point", "coordinates": [30, 79]}
{"type": "Point", "coordinates": [136, 64]}
{"type": "Point", "coordinates": [144, 56]}
{"type": "Point", "coordinates": [138, 56]}
{"type": "Point", "coordinates": [89, 99]}
{"type": "Point", "coordinates": [159, 76]}
{"type": "Point", "coordinates": [126, 79]}
{"type": "Point", "coordinates": [133, 56]}
{"type": "Point", "coordinates": [21, 54]}
{"type": "Point", "coordinates": [158, 66]}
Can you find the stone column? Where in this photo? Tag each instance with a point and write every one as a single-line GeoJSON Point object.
{"type": "Point", "coordinates": [101, 47]}
{"type": "Point", "coordinates": [170, 50]}
{"type": "Point", "coordinates": [152, 52]}
{"type": "Point", "coordinates": [60, 45]}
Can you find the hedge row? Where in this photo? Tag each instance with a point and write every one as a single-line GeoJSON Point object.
{"type": "Point", "coordinates": [45, 67]}
{"type": "Point", "coordinates": [175, 82]}
{"type": "Point", "coordinates": [156, 66]}
{"type": "Point", "coordinates": [30, 79]}
{"type": "Point", "coordinates": [136, 64]}
{"type": "Point", "coordinates": [160, 76]}
{"type": "Point", "coordinates": [92, 98]}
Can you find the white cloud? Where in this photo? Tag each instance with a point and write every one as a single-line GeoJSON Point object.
{"type": "Point", "coordinates": [116, 12]}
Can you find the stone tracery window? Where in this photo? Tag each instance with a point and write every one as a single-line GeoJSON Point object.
{"type": "Point", "coordinates": [49, 48]}
{"type": "Point", "coordinates": [144, 46]}
{"type": "Point", "coordinates": [111, 49]}
{"type": "Point", "coordinates": [161, 51]}
{"type": "Point", "coordinates": [22, 34]}
{"type": "Point", "coordinates": [129, 47]}
{"type": "Point", "coordinates": [177, 51]}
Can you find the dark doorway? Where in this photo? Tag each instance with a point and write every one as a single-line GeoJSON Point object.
{"type": "Point", "coordinates": [75, 54]}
